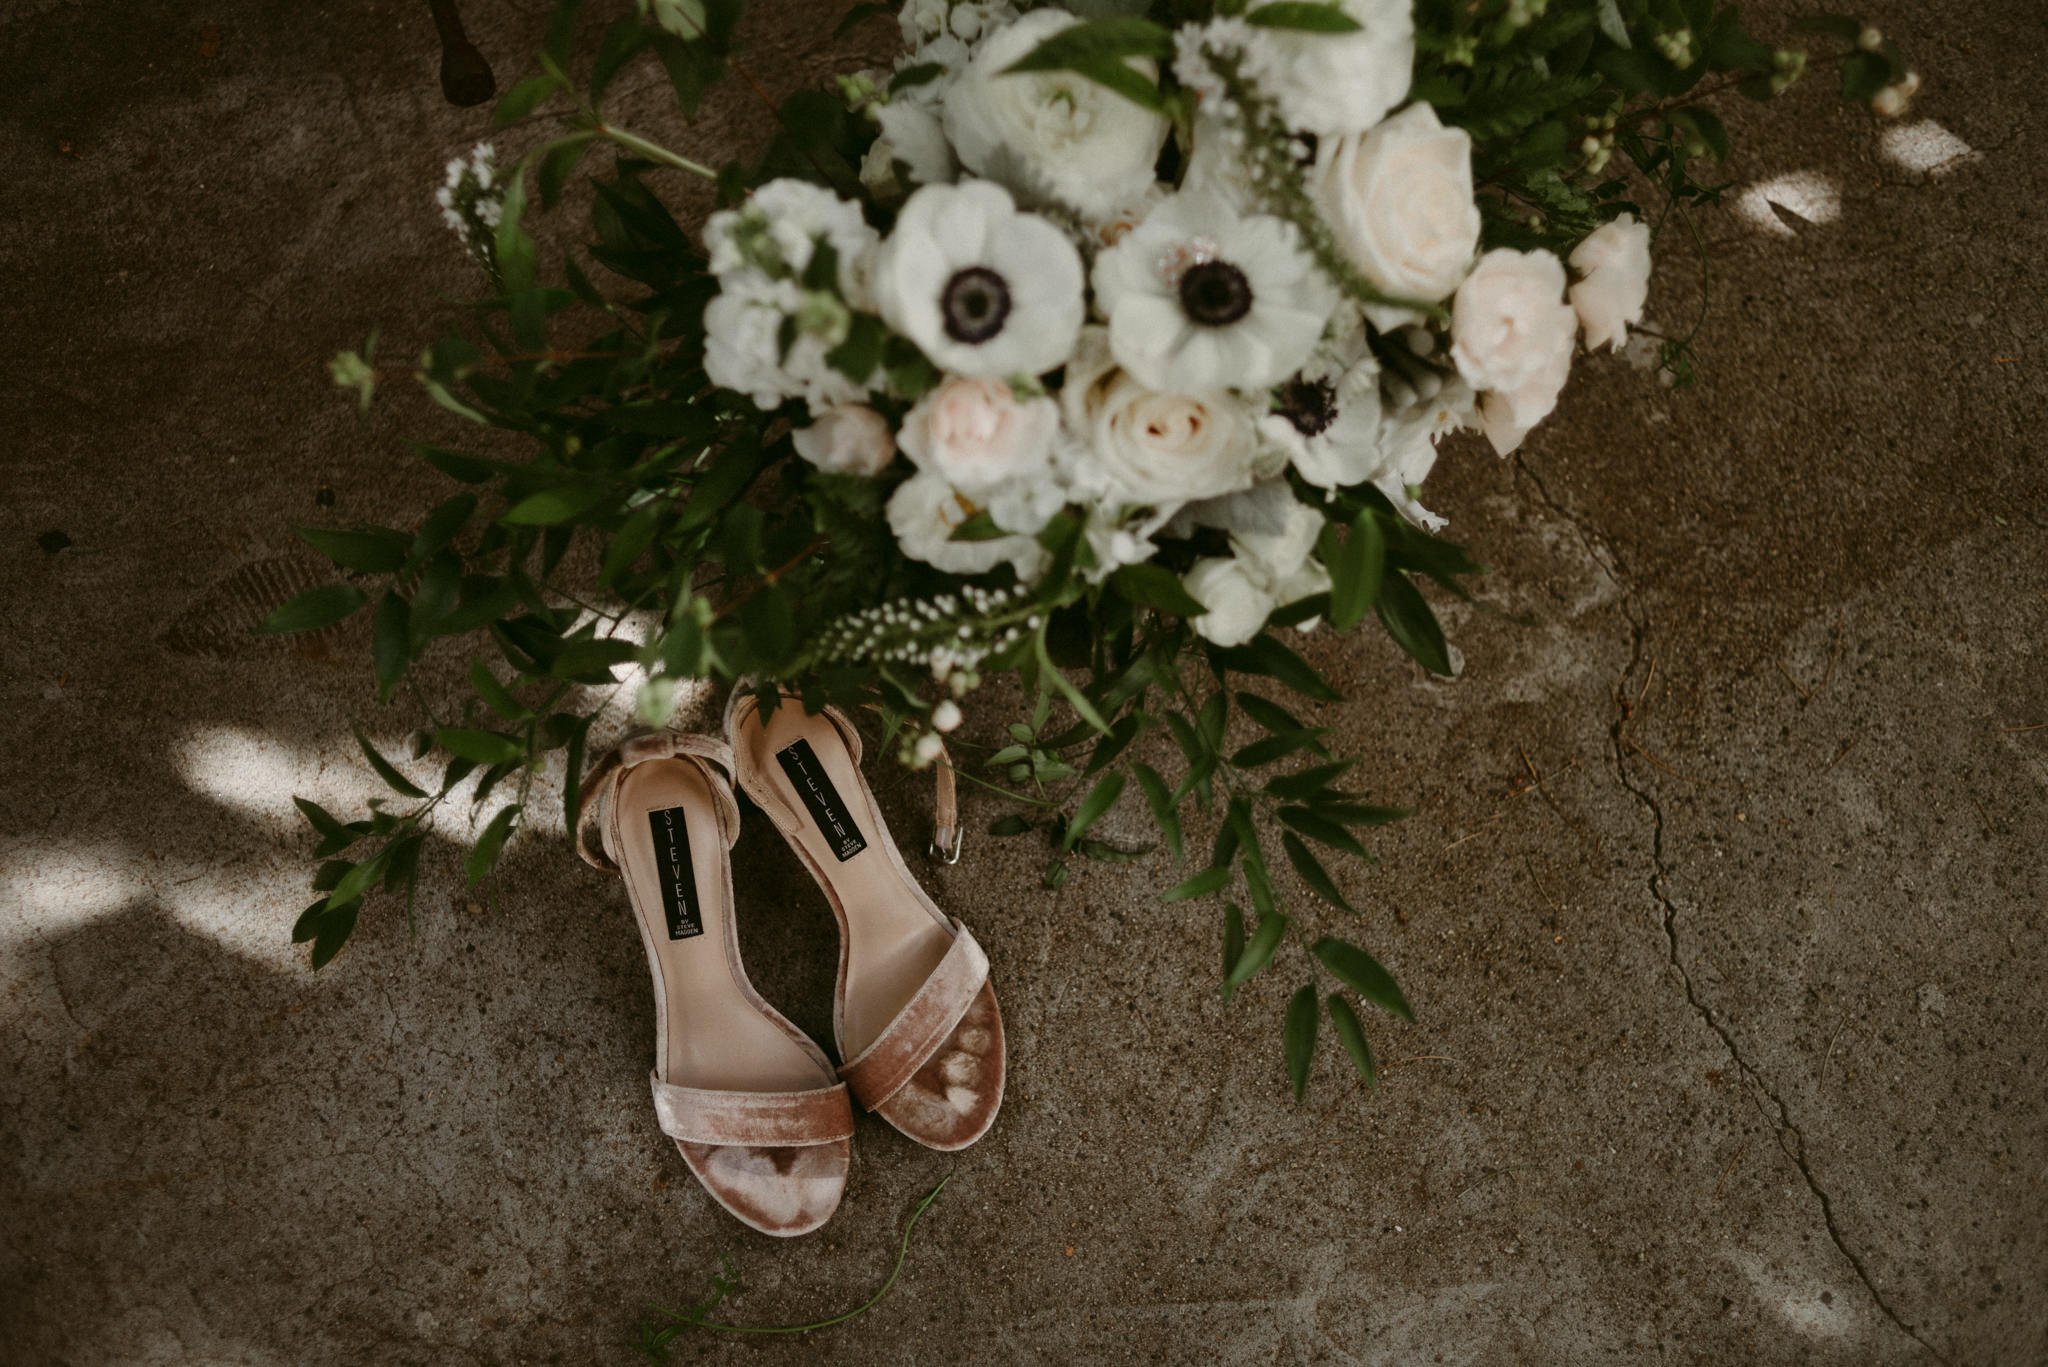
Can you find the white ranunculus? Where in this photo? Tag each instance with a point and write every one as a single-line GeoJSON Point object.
{"type": "Point", "coordinates": [976, 433]}
{"type": "Point", "coordinates": [1337, 83]}
{"type": "Point", "coordinates": [1238, 604]}
{"type": "Point", "coordinates": [980, 287]}
{"type": "Point", "coordinates": [923, 513]}
{"type": "Point", "coordinates": [1144, 447]}
{"type": "Point", "coordinates": [1511, 337]}
{"type": "Point", "coordinates": [851, 439]}
{"type": "Point", "coordinates": [1051, 136]}
{"type": "Point", "coordinates": [1201, 297]}
{"type": "Point", "coordinates": [1614, 269]}
{"type": "Point", "coordinates": [1399, 199]}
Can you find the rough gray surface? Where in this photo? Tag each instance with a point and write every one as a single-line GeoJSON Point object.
{"type": "Point", "coordinates": [1730, 1045]}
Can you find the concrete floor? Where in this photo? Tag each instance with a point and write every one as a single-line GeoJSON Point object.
{"type": "Point", "coordinates": [1730, 1039]}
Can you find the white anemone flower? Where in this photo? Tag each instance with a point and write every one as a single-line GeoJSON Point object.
{"type": "Point", "coordinates": [1201, 297]}
{"type": "Point", "coordinates": [983, 289]}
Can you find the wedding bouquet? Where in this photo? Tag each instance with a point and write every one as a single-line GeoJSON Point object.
{"type": "Point", "coordinates": [1117, 340]}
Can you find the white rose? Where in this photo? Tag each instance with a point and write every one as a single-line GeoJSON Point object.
{"type": "Point", "coordinates": [1337, 83]}
{"type": "Point", "coordinates": [1148, 447]}
{"type": "Point", "coordinates": [1051, 136]}
{"type": "Point", "coordinates": [923, 513]}
{"type": "Point", "coordinates": [1237, 603]}
{"type": "Point", "coordinates": [976, 433]}
{"type": "Point", "coordinates": [1511, 336]}
{"type": "Point", "coordinates": [851, 439]}
{"type": "Point", "coordinates": [1614, 268]}
{"type": "Point", "coordinates": [1399, 199]}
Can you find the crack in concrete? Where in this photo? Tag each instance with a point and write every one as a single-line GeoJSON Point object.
{"type": "Point", "coordinates": [1795, 1148]}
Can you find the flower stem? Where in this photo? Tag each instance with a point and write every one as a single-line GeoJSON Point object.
{"type": "Point", "coordinates": [653, 151]}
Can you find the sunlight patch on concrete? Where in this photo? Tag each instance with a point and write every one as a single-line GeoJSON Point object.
{"type": "Point", "coordinates": [1926, 147]}
{"type": "Point", "coordinates": [1806, 195]}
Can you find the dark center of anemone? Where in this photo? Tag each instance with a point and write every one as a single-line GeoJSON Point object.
{"type": "Point", "coordinates": [1215, 294]}
{"type": "Point", "coordinates": [1311, 405]}
{"type": "Point", "coordinates": [975, 305]}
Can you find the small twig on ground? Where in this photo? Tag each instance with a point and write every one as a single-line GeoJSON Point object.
{"type": "Point", "coordinates": [1555, 909]}
{"type": "Point", "coordinates": [1537, 780]}
{"type": "Point", "coordinates": [1703, 782]}
{"type": "Point", "coordinates": [1843, 751]}
{"type": "Point", "coordinates": [1730, 1169]}
{"type": "Point", "coordinates": [1829, 1058]}
{"type": "Point", "coordinates": [2037, 726]}
{"type": "Point", "coordinates": [1488, 1176]}
{"type": "Point", "coordinates": [1805, 696]}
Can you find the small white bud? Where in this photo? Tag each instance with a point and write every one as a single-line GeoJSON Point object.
{"type": "Point", "coordinates": [946, 716]}
{"type": "Point", "coordinates": [1889, 102]}
{"type": "Point", "coordinates": [1870, 40]}
{"type": "Point", "coordinates": [928, 748]}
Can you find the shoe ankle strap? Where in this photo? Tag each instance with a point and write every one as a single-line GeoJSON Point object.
{"type": "Point", "coordinates": [603, 780]}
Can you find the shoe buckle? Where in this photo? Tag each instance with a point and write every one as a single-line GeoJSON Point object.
{"type": "Point", "coordinates": [939, 853]}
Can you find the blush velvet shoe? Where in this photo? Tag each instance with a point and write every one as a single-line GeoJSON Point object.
{"type": "Point", "coordinates": [914, 1016]}
{"type": "Point", "coordinates": [750, 1100]}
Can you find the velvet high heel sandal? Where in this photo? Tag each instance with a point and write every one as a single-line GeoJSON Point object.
{"type": "Point", "coordinates": [914, 1015]}
{"type": "Point", "coordinates": [751, 1101]}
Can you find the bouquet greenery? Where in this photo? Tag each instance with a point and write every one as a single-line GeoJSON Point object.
{"type": "Point", "coordinates": [1107, 347]}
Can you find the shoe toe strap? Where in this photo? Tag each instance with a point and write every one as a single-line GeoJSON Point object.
{"type": "Point", "coordinates": [762, 1120]}
{"type": "Point", "coordinates": [926, 1021]}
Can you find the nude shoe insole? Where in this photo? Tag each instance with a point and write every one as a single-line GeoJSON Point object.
{"type": "Point", "coordinates": [892, 942]}
{"type": "Point", "coordinates": [674, 861]}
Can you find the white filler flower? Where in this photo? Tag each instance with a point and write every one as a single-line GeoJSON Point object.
{"type": "Point", "coordinates": [1337, 83]}
{"type": "Point", "coordinates": [1399, 199]}
{"type": "Point", "coordinates": [1614, 268]}
{"type": "Point", "coordinates": [1511, 336]}
{"type": "Point", "coordinates": [1199, 297]}
{"type": "Point", "coordinates": [851, 439]}
{"type": "Point", "coordinates": [983, 289]}
{"type": "Point", "coordinates": [1051, 136]}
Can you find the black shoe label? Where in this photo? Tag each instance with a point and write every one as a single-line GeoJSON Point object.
{"type": "Point", "coordinates": [678, 875]}
{"type": "Point", "coordinates": [800, 762]}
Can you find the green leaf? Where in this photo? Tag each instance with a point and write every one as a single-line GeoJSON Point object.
{"type": "Point", "coordinates": [1321, 829]}
{"type": "Point", "coordinates": [1055, 875]}
{"type": "Point", "coordinates": [1363, 974]}
{"type": "Point", "coordinates": [1355, 577]}
{"type": "Point", "coordinates": [1010, 825]}
{"type": "Point", "coordinates": [1359, 813]}
{"type": "Point", "coordinates": [1161, 802]}
{"type": "Point", "coordinates": [358, 880]}
{"type": "Point", "coordinates": [1258, 951]}
{"type": "Point", "coordinates": [1708, 128]}
{"type": "Point", "coordinates": [315, 609]}
{"type": "Point", "coordinates": [921, 74]}
{"type": "Point", "coordinates": [523, 98]}
{"type": "Point", "coordinates": [1201, 885]}
{"type": "Point", "coordinates": [372, 550]}
{"type": "Point", "coordinates": [1306, 783]}
{"type": "Point", "coordinates": [1312, 872]}
{"type": "Point", "coordinates": [1352, 1035]}
{"type": "Point", "coordinates": [322, 820]}
{"type": "Point", "coordinates": [557, 164]}
{"type": "Point", "coordinates": [1278, 719]}
{"type": "Point", "coordinates": [1153, 586]}
{"type": "Point", "coordinates": [1075, 698]}
{"type": "Point", "coordinates": [332, 932]}
{"type": "Point", "coordinates": [397, 782]}
{"type": "Point", "coordinates": [1299, 1037]}
{"type": "Point", "coordinates": [1264, 655]}
{"type": "Point", "coordinates": [552, 506]}
{"type": "Point", "coordinates": [1262, 752]}
{"type": "Point", "coordinates": [1233, 943]}
{"type": "Point", "coordinates": [390, 642]}
{"type": "Point", "coordinates": [1099, 800]}
{"type": "Point", "coordinates": [1309, 18]}
{"type": "Point", "coordinates": [1413, 626]}
{"type": "Point", "coordinates": [454, 464]}
{"type": "Point", "coordinates": [980, 527]}
{"type": "Point", "coordinates": [485, 855]}
{"type": "Point", "coordinates": [308, 923]}
{"type": "Point", "coordinates": [1098, 39]}
{"type": "Point", "coordinates": [495, 695]}
{"type": "Point", "coordinates": [484, 747]}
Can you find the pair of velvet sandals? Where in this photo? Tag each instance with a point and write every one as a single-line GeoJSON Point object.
{"type": "Point", "coordinates": [758, 1111]}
